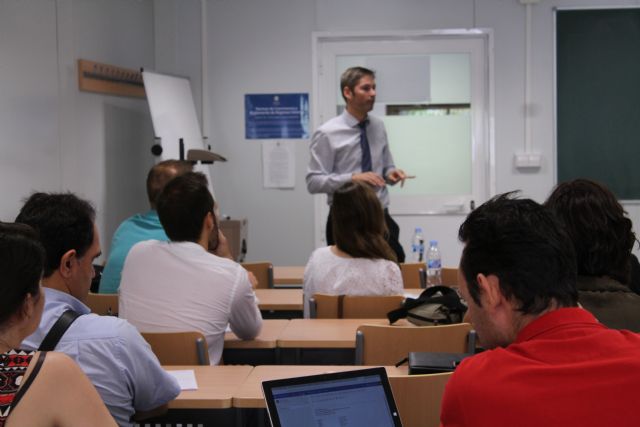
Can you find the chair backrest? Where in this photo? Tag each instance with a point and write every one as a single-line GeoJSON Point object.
{"type": "Point", "coordinates": [413, 275]}
{"type": "Point", "coordinates": [178, 348]}
{"type": "Point", "coordinates": [95, 282]}
{"type": "Point", "coordinates": [263, 272]}
{"type": "Point", "coordinates": [103, 304]}
{"type": "Point", "coordinates": [387, 345]}
{"type": "Point", "coordinates": [418, 398]}
{"type": "Point", "coordinates": [450, 276]}
{"type": "Point", "coordinates": [324, 306]}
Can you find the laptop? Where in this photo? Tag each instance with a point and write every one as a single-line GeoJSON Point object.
{"type": "Point", "coordinates": [352, 398]}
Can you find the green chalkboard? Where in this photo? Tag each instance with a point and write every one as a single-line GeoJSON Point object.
{"type": "Point", "coordinates": [598, 96]}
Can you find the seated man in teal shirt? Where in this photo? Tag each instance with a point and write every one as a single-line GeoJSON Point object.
{"type": "Point", "coordinates": [142, 226]}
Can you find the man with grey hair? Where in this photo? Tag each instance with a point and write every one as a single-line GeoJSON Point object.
{"type": "Point", "coordinates": [353, 147]}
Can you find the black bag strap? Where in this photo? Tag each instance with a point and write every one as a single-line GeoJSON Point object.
{"type": "Point", "coordinates": [58, 329]}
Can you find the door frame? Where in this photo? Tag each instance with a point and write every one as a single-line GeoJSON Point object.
{"type": "Point", "coordinates": [486, 115]}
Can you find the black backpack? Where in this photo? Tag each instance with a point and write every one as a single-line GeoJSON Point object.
{"type": "Point", "coordinates": [437, 305]}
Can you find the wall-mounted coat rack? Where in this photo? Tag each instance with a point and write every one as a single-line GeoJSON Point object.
{"type": "Point", "coordinates": [109, 79]}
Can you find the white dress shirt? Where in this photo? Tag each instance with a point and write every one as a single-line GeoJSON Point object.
{"type": "Point", "coordinates": [179, 286]}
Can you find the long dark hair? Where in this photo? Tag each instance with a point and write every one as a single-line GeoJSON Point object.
{"type": "Point", "coordinates": [358, 223]}
{"type": "Point", "coordinates": [21, 263]}
{"type": "Point", "coordinates": [598, 226]}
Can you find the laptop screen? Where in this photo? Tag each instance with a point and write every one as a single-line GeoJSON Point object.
{"type": "Point", "coordinates": [341, 399]}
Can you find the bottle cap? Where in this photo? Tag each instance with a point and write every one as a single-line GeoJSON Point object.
{"type": "Point", "coordinates": [418, 229]}
{"type": "Point", "coordinates": [433, 243]}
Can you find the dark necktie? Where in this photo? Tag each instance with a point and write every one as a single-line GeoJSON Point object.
{"type": "Point", "coordinates": [364, 145]}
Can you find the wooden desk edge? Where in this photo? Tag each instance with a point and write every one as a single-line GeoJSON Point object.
{"type": "Point", "coordinates": [251, 403]}
{"type": "Point", "coordinates": [250, 345]}
{"type": "Point", "coordinates": [254, 402]}
{"type": "Point", "coordinates": [312, 344]}
{"type": "Point", "coordinates": [185, 403]}
{"type": "Point", "coordinates": [287, 281]}
{"type": "Point", "coordinates": [281, 307]}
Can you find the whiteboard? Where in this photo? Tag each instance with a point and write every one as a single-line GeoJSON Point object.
{"type": "Point", "coordinates": [173, 113]}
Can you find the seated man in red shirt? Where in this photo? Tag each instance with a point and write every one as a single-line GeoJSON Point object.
{"type": "Point", "coordinates": [548, 362]}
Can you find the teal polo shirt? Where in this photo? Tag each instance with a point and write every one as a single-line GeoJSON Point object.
{"type": "Point", "coordinates": [135, 229]}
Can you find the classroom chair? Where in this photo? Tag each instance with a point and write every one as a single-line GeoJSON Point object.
{"type": "Point", "coordinates": [263, 272]}
{"type": "Point", "coordinates": [413, 275]}
{"type": "Point", "coordinates": [178, 348]}
{"type": "Point", "coordinates": [103, 304]}
{"type": "Point", "coordinates": [322, 306]}
{"type": "Point", "coordinates": [450, 276]}
{"type": "Point", "coordinates": [418, 398]}
{"type": "Point", "coordinates": [388, 345]}
{"type": "Point", "coordinates": [95, 282]}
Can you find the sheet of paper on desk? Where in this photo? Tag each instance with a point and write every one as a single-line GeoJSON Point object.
{"type": "Point", "coordinates": [186, 378]}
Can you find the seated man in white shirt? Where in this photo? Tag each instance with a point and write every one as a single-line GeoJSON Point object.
{"type": "Point", "coordinates": [188, 283]}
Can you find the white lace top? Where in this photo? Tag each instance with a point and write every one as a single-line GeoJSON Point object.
{"type": "Point", "coordinates": [327, 273]}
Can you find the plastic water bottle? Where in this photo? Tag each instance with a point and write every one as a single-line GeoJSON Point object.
{"type": "Point", "coordinates": [434, 265]}
{"type": "Point", "coordinates": [417, 246]}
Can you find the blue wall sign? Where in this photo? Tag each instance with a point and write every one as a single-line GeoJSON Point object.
{"type": "Point", "coordinates": [276, 116]}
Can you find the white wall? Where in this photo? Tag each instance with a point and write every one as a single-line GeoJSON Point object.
{"type": "Point", "coordinates": [265, 47]}
{"type": "Point", "coordinates": [56, 138]}
{"type": "Point", "coordinates": [29, 144]}
{"type": "Point", "coordinates": [260, 47]}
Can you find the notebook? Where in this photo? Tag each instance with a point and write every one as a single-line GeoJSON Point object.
{"type": "Point", "coordinates": [433, 363]}
{"type": "Point", "coordinates": [352, 398]}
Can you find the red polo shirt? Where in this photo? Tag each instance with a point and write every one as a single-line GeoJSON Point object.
{"type": "Point", "coordinates": [564, 369]}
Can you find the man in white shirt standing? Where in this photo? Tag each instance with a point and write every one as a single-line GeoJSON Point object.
{"type": "Point", "coordinates": [353, 147]}
{"type": "Point", "coordinates": [189, 283]}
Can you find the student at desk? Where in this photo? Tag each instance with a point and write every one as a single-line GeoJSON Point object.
{"type": "Point", "coordinates": [603, 238]}
{"type": "Point", "coordinates": [36, 388]}
{"type": "Point", "coordinates": [189, 283]}
{"type": "Point", "coordinates": [141, 226]}
{"type": "Point", "coordinates": [548, 362]}
{"type": "Point", "coordinates": [361, 262]}
{"type": "Point", "coordinates": [110, 351]}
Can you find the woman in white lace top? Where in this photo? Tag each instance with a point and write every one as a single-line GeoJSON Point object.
{"type": "Point", "coordinates": [361, 262]}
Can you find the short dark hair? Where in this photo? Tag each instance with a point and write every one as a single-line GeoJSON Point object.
{"type": "Point", "coordinates": [351, 76]}
{"type": "Point", "coordinates": [183, 205]}
{"type": "Point", "coordinates": [63, 222]}
{"type": "Point", "coordinates": [162, 173]}
{"type": "Point", "coordinates": [357, 219]}
{"type": "Point", "coordinates": [601, 233]}
{"type": "Point", "coordinates": [21, 261]}
{"type": "Point", "coordinates": [524, 245]}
